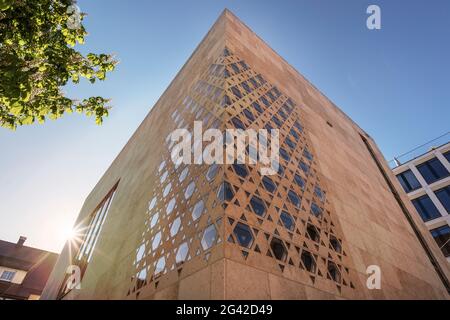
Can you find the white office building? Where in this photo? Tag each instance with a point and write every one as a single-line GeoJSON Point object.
{"type": "Point", "coordinates": [426, 180]}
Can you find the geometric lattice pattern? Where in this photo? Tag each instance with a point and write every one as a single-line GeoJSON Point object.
{"type": "Point", "coordinates": [280, 223]}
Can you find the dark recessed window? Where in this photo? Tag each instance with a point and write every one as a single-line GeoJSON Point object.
{"type": "Point", "coordinates": [294, 198]}
{"type": "Point", "coordinates": [268, 127]}
{"type": "Point", "coordinates": [265, 101]}
{"type": "Point", "coordinates": [226, 101]}
{"type": "Point", "coordinates": [243, 65]}
{"type": "Point", "coordinates": [278, 249]}
{"type": "Point", "coordinates": [258, 206]}
{"type": "Point", "coordinates": [333, 271]}
{"type": "Point", "coordinates": [319, 193]}
{"type": "Point", "coordinates": [225, 192]}
{"type": "Point", "coordinates": [260, 79]}
{"type": "Point", "coordinates": [426, 208]}
{"type": "Point", "coordinates": [254, 82]}
{"type": "Point", "coordinates": [241, 170]}
{"type": "Point", "coordinates": [276, 121]}
{"type": "Point", "coordinates": [287, 220]}
{"type": "Point", "coordinates": [243, 235]}
{"type": "Point", "coordinates": [280, 168]}
{"type": "Point", "coordinates": [235, 67]}
{"type": "Point", "coordinates": [444, 197]}
{"type": "Point", "coordinates": [313, 233]}
{"type": "Point", "coordinates": [442, 237]}
{"type": "Point", "coordinates": [276, 92]}
{"type": "Point", "coordinates": [308, 261]}
{"type": "Point", "coordinates": [238, 123]}
{"type": "Point", "coordinates": [294, 134]}
{"type": "Point", "coordinates": [249, 115]}
{"type": "Point", "coordinates": [335, 244]}
{"type": "Point", "coordinates": [246, 87]}
{"type": "Point", "coordinates": [299, 181]}
{"type": "Point", "coordinates": [282, 114]}
{"type": "Point", "coordinates": [298, 126]}
{"type": "Point", "coordinates": [447, 156]}
{"type": "Point", "coordinates": [269, 184]}
{"type": "Point", "coordinates": [307, 154]}
{"type": "Point", "coordinates": [304, 167]}
{"type": "Point", "coordinates": [432, 170]}
{"type": "Point", "coordinates": [316, 210]}
{"type": "Point", "coordinates": [271, 96]}
{"type": "Point", "coordinates": [257, 107]}
{"type": "Point", "coordinates": [236, 92]}
{"type": "Point", "coordinates": [289, 143]}
{"type": "Point", "coordinates": [284, 154]}
{"type": "Point", "coordinates": [408, 181]}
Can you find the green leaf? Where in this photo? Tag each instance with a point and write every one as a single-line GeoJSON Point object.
{"type": "Point", "coordinates": [38, 59]}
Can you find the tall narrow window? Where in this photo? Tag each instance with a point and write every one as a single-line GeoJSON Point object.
{"type": "Point", "coordinates": [90, 237]}
{"type": "Point", "coordinates": [92, 234]}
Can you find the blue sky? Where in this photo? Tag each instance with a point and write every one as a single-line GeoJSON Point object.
{"type": "Point", "coordinates": [393, 82]}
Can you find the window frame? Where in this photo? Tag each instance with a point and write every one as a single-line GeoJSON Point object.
{"type": "Point", "coordinates": [421, 208]}
{"type": "Point", "coordinates": [428, 165]}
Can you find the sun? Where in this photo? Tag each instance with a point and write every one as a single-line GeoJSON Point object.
{"type": "Point", "coordinates": [73, 235]}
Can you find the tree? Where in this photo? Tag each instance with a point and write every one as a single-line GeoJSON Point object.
{"type": "Point", "coordinates": [37, 59]}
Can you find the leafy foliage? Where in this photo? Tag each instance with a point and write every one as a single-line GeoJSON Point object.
{"type": "Point", "coordinates": [37, 58]}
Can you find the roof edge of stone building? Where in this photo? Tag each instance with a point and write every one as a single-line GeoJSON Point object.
{"type": "Point", "coordinates": [226, 12]}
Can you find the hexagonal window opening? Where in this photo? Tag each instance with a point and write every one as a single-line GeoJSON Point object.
{"type": "Point", "coordinates": [279, 249]}
{"type": "Point", "coordinates": [334, 272]}
{"type": "Point", "coordinates": [175, 227]}
{"type": "Point", "coordinates": [319, 193]}
{"type": "Point", "coordinates": [140, 252]}
{"type": "Point", "coordinates": [167, 190]}
{"type": "Point", "coordinates": [142, 275]}
{"type": "Point", "coordinates": [183, 174]}
{"type": "Point", "coordinates": [269, 185]}
{"type": "Point", "coordinates": [316, 210]}
{"type": "Point", "coordinates": [154, 220]}
{"type": "Point", "coordinates": [171, 205]}
{"type": "Point", "coordinates": [294, 198]}
{"type": "Point", "coordinates": [164, 176]}
{"type": "Point", "coordinates": [212, 172]}
{"type": "Point", "coordinates": [189, 190]}
{"type": "Point", "coordinates": [335, 244]}
{"type": "Point", "coordinates": [182, 252]}
{"type": "Point", "coordinates": [152, 203]}
{"type": "Point", "coordinates": [287, 220]}
{"type": "Point", "coordinates": [209, 237]}
{"type": "Point", "coordinates": [308, 261]}
{"type": "Point", "coordinates": [299, 181]}
{"type": "Point", "coordinates": [225, 192]}
{"type": "Point", "coordinates": [197, 211]}
{"type": "Point", "coordinates": [241, 170]}
{"type": "Point", "coordinates": [156, 241]}
{"type": "Point", "coordinates": [258, 206]}
{"type": "Point", "coordinates": [160, 265]}
{"type": "Point", "coordinates": [243, 235]}
{"type": "Point", "coordinates": [313, 233]}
